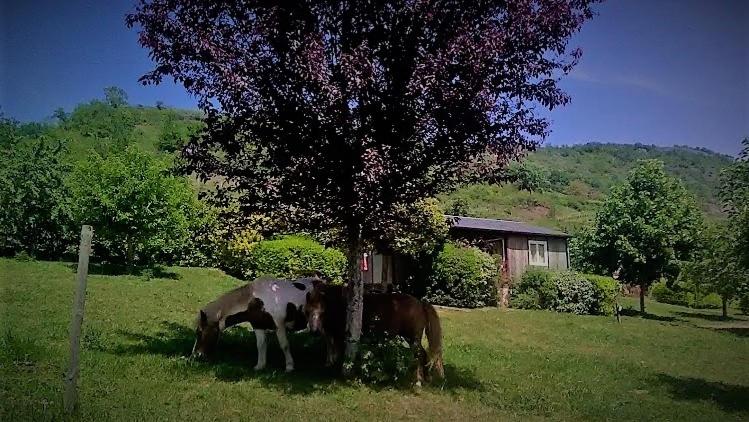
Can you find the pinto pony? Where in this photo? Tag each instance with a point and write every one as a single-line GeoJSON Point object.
{"type": "Point", "coordinates": [267, 304]}
{"type": "Point", "coordinates": [391, 313]}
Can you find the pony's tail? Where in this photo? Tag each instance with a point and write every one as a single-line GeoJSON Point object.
{"type": "Point", "coordinates": [434, 337]}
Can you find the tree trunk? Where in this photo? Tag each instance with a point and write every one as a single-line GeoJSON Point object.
{"type": "Point", "coordinates": [642, 298]}
{"type": "Point", "coordinates": [355, 299]}
{"type": "Point", "coordinates": [725, 306]}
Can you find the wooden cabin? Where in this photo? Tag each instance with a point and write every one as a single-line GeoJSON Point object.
{"type": "Point", "coordinates": [519, 246]}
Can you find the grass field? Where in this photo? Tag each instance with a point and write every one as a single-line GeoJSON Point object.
{"type": "Point", "coordinates": [675, 364]}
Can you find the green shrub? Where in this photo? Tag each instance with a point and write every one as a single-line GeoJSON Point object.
{"type": "Point", "coordinates": [744, 304]}
{"type": "Point", "coordinates": [383, 360]}
{"type": "Point", "coordinates": [286, 257]}
{"type": "Point", "coordinates": [607, 289]}
{"type": "Point", "coordinates": [660, 292]}
{"type": "Point", "coordinates": [709, 301]}
{"type": "Point", "coordinates": [141, 212]}
{"type": "Point", "coordinates": [526, 300]}
{"type": "Point", "coordinates": [562, 291]}
{"type": "Point", "coordinates": [462, 277]}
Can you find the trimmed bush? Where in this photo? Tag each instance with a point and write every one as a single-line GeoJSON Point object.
{"type": "Point", "coordinates": [709, 301]}
{"type": "Point", "coordinates": [287, 257]}
{"type": "Point", "coordinates": [660, 292]}
{"type": "Point", "coordinates": [463, 277]}
{"type": "Point", "coordinates": [564, 291]}
{"type": "Point", "coordinates": [607, 289]}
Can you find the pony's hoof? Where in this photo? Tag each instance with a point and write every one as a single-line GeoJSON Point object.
{"type": "Point", "coordinates": [418, 384]}
{"type": "Point", "coordinates": [289, 369]}
{"type": "Point", "coordinates": [259, 367]}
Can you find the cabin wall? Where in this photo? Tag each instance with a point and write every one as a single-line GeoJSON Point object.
{"type": "Point", "coordinates": [517, 255]}
{"type": "Point", "coordinates": [557, 253]}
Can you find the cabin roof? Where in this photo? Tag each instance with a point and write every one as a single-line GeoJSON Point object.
{"type": "Point", "coordinates": [504, 226]}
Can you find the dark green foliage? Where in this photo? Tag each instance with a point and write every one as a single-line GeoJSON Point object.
{"type": "Point", "coordinates": [662, 293]}
{"type": "Point", "coordinates": [35, 207]}
{"type": "Point", "coordinates": [464, 277]}
{"type": "Point", "coordinates": [287, 257]}
{"type": "Point", "coordinates": [171, 138]}
{"type": "Point", "coordinates": [383, 360]}
{"type": "Point", "coordinates": [734, 193]}
{"type": "Point", "coordinates": [645, 227]}
{"type": "Point", "coordinates": [115, 96]}
{"type": "Point", "coordinates": [744, 303]}
{"type": "Point", "coordinates": [528, 176]}
{"type": "Point", "coordinates": [141, 213]}
{"type": "Point", "coordinates": [111, 127]}
{"type": "Point", "coordinates": [607, 290]}
{"type": "Point", "coordinates": [565, 291]}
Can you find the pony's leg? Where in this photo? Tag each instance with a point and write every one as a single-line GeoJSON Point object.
{"type": "Point", "coordinates": [262, 348]}
{"type": "Point", "coordinates": [284, 343]}
{"type": "Point", "coordinates": [331, 351]}
{"type": "Point", "coordinates": [420, 353]}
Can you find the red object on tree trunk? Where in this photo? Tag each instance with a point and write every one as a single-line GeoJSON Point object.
{"type": "Point", "coordinates": [364, 262]}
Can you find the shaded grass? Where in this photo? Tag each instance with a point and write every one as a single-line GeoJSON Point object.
{"type": "Point", "coordinates": [516, 365]}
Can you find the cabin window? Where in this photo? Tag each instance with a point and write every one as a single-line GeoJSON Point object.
{"type": "Point", "coordinates": [538, 253]}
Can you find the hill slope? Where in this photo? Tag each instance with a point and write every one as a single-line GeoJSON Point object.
{"type": "Point", "coordinates": [579, 178]}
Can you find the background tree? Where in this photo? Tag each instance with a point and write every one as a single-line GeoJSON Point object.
{"type": "Point", "coordinates": [528, 176]}
{"type": "Point", "coordinates": [645, 227]}
{"type": "Point", "coordinates": [141, 212]}
{"type": "Point", "coordinates": [35, 210]}
{"type": "Point", "coordinates": [332, 114]}
{"type": "Point", "coordinates": [60, 115]}
{"type": "Point", "coordinates": [716, 267]}
{"type": "Point", "coordinates": [115, 96]}
{"type": "Point", "coordinates": [734, 193]}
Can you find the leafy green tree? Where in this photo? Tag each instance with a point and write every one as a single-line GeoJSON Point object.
{"type": "Point", "coordinates": [528, 176]}
{"type": "Point", "coordinates": [645, 227]}
{"type": "Point", "coordinates": [60, 115]}
{"type": "Point", "coordinates": [734, 193]}
{"type": "Point", "coordinates": [170, 138]}
{"type": "Point", "coordinates": [140, 211]}
{"type": "Point", "coordinates": [115, 96]}
{"type": "Point", "coordinates": [716, 268]}
{"type": "Point", "coordinates": [99, 120]}
{"type": "Point", "coordinates": [35, 210]}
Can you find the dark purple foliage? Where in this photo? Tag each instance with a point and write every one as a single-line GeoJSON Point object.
{"type": "Point", "coordinates": [330, 112]}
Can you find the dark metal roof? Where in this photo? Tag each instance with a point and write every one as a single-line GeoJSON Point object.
{"type": "Point", "coordinates": [506, 226]}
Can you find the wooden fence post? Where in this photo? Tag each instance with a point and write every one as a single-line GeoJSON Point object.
{"type": "Point", "coordinates": [71, 376]}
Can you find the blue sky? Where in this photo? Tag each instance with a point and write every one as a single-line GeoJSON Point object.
{"type": "Point", "coordinates": [653, 71]}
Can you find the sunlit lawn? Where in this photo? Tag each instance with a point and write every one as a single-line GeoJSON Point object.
{"type": "Point", "coordinates": [677, 364]}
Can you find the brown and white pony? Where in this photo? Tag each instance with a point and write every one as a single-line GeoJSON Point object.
{"type": "Point", "coordinates": [391, 313]}
{"type": "Point", "coordinates": [267, 304]}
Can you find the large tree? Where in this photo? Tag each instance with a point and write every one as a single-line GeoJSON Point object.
{"type": "Point", "coordinates": [332, 114]}
{"type": "Point", "coordinates": [645, 227]}
{"type": "Point", "coordinates": [734, 193]}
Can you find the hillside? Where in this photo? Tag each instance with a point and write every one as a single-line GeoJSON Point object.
{"type": "Point", "coordinates": [575, 178]}
{"type": "Point", "coordinates": [580, 176]}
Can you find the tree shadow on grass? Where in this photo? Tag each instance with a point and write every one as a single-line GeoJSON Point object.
{"type": "Point", "coordinates": [729, 397]}
{"type": "Point", "coordinates": [116, 270]}
{"type": "Point", "coordinates": [737, 331]}
{"type": "Point", "coordinates": [707, 317]}
{"type": "Point", "coordinates": [236, 355]}
{"type": "Point", "coordinates": [635, 313]}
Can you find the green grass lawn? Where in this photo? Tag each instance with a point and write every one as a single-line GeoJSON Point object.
{"type": "Point", "coordinates": [676, 364]}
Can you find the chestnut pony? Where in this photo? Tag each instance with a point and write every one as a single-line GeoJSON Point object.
{"type": "Point", "coordinates": [390, 313]}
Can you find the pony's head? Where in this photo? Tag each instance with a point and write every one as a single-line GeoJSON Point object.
{"type": "Point", "coordinates": [315, 307]}
{"type": "Point", "coordinates": [207, 331]}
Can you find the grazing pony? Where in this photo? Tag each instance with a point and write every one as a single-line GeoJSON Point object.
{"type": "Point", "coordinates": [267, 304]}
{"type": "Point", "coordinates": [391, 313]}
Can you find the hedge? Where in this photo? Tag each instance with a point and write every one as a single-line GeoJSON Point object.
{"type": "Point", "coordinates": [285, 257]}
{"type": "Point", "coordinates": [660, 292]}
{"type": "Point", "coordinates": [565, 291]}
{"type": "Point", "coordinates": [462, 277]}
